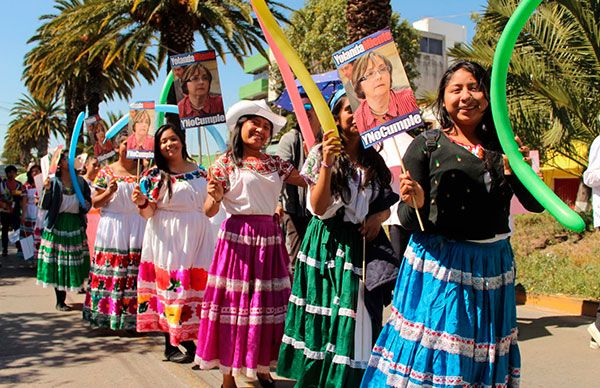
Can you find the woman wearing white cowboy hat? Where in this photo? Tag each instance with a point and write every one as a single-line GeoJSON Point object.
{"type": "Point", "coordinates": [248, 286]}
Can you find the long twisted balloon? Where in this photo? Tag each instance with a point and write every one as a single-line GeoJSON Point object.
{"type": "Point", "coordinates": [71, 160]}
{"type": "Point", "coordinates": [271, 27]}
{"type": "Point", "coordinates": [566, 216]}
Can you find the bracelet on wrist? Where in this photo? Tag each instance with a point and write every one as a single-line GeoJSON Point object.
{"type": "Point", "coordinates": [219, 201]}
{"type": "Point", "coordinates": [144, 205]}
{"type": "Point", "coordinates": [325, 165]}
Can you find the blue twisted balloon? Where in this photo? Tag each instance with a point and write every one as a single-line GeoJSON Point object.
{"type": "Point", "coordinates": [72, 151]}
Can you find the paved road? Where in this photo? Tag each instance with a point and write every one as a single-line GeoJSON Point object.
{"type": "Point", "coordinates": [42, 347]}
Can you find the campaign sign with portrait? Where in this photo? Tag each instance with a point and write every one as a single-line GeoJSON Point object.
{"type": "Point", "coordinates": [96, 128]}
{"type": "Point", "coordinates": [140, 130]}
{"type": "Point", "coordinates": [198, 90]}
{"type": "Point", "coordinates": [383, 103]}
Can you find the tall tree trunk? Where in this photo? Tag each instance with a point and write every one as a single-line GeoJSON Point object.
{"type": "Point", "coordinates": [94, 93]}
{"type": "Point", "coordinates": [25, 156]}
{"type": "Point", "coordinates": [74, 104]}
{"type": "Point", "coordinates": [366, 17]}
{"type": "Point", "coordinates": [178, 37]}
{"type": "Point", "coordinates": [42, 146]}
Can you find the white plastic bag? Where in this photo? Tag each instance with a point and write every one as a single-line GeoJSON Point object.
{"type": "Point", "coordinates": [14, 235]}
{"type": "Point", "coordinates": [28, 248]}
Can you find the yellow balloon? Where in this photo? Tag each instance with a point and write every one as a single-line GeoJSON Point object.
{"type": "Point", "coordinates": [312, 91]}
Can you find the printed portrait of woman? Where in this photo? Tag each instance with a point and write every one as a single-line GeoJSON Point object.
{"type": "Point", "coordinates": [379, 103]}
{"type": "Point", "coordinates": [98, 131]}
{"type": "Point", "coordinates": [140, 137]}
{"type": "Point", "coordinates": [198, 101]}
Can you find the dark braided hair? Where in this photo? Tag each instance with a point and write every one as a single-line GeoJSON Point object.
{"type": "Point", "coordinates": [376, 169]}
{"type": "Point", "coordinates": [161, 162]}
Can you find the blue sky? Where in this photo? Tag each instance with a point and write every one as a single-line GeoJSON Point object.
{"type": "Point", "coordinates": [19, 20]}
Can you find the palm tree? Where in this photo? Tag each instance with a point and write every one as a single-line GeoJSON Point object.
{"type": "Point", "coordinates": [554, 76]}
{"type": "Point", "coordinates": [227, 26]}
{"type": "Point", "coordinates": [33, 122]}
{"type": "Point", "coordinates": [62, 63]}
{"type": "Point", "coordinates": [366, 17]}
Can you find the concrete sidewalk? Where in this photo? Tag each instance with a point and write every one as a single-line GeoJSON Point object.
{"type": "Point", "coordinates": [40, 346]}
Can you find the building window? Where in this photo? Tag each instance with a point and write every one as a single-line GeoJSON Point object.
{"type": "Point", "coordinates": [431, 46]}
{"type": "Point", "coordinates": [261, 75]}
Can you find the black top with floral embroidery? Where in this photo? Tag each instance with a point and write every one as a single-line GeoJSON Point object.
{"type": "Point", "coordinates": [459, 204]}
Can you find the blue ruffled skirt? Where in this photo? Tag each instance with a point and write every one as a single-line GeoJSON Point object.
{"type": "Point", "coordinates": [453, 320]}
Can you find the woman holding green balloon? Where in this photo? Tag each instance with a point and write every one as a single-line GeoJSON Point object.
{"type": "Point", "coordinates": [453, 318]}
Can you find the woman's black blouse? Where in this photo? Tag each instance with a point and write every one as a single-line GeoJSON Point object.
{"type": "Point", "coordinates": [457, 202]}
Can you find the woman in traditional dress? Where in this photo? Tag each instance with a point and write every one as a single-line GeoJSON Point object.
{"type": "Point", "coordinates": [63, 257]}
{"type": "Point", "coordinates": [111, 299]}
{"type": "Point", "coordinates": [249, 285]}
{"type": "Point", "coordinates": [178, 245]}
{"type": "Point", "coordinates": [91, 169]}
{"type": "Point", "coordinates": [334, 312]}
{"type": "Point", "coordinates": [453, 320]}
{"type": "Point", "coordinates": [38, 228]}
{"type": "Point", "coordinates": [29, 202]}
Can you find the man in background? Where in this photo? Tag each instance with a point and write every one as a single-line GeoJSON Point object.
{"type": "Point", "coordinates": [10, 205]}
{"type": "Point", "coordinates": [293, 198]}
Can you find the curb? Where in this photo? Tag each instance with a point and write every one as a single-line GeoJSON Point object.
{"type": "Point", "coordinates": [565, 304]}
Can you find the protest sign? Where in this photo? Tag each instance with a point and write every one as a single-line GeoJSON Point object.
{"type": "Point", "coordinates": [383, 103]}
{"type": "Point", "coordinates": [199, 99]}
{"type": "Point", "coordinates": [103, 150]}
{"type": "Point", "coordinates": [140, 130]}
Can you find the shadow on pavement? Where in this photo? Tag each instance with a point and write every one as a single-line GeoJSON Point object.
{"type": "Point", "coordinates": [52, 340]}
{"type": "Point", "coordinates": [531, 328]}
{"type": "Point", "coordinates": [14, 268]}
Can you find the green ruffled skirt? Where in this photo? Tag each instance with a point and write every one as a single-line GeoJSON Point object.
{"type": "Point", "coordinates": [318, 345]}
{"type": "Point", "coordinates": [63, 257]}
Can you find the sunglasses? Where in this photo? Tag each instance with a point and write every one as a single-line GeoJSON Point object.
{"type": "Point", "coordinates": [308, 106]}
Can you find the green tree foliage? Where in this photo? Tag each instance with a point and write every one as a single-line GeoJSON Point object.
{"type": "Point", "coordinates": [62, 63]}
{"type": "Point", "coordinates": [227, 26]}
{"type": "Point", "coordinates": [33, 122]}
{"type": "Point", "coordinates": [554, 76]}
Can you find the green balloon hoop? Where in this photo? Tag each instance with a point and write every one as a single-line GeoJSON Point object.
{"type": "Point", "coordinates": [546, 197]}
{"type": "Point", "coordinates": [163, 96]}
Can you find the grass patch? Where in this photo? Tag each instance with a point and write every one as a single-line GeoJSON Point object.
{"type": "Point", "coordinates": [552, 260]}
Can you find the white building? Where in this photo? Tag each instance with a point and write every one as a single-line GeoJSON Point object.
{"type": "Point", "coordinates": [436, 38]}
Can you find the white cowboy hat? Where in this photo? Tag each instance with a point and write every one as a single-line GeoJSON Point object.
{"type": "Point", "coordinates": [254, 108]}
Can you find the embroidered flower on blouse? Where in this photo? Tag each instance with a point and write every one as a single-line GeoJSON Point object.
{"type": "Point", "coordinates": [150, 182]}
{"type": "Point", "coordinates": [224, 166]}
{"type": "Point", "coordinates": [106, 174]}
